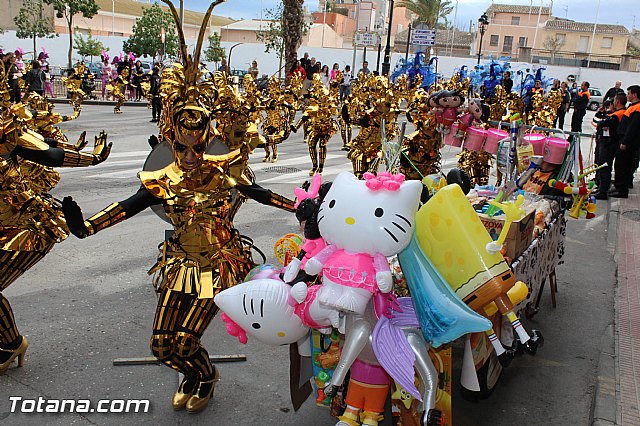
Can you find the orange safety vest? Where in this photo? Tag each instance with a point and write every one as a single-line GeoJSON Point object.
{"type": "Point", "coordinates": [587, 94]}
{"type": "Point", "coordinates": [632, 108]}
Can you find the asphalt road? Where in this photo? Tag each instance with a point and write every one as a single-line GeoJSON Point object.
{"type": "Point", "coordinates": [91, 301]}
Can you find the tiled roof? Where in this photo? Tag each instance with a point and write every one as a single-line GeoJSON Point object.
{"type": "Point", "coordinates": [134, 8]}
{"type": "Point", "coordinates": [514, 8]}
{"type": "Point", "coordinates": [587, 27]}
{"type": "Point", "coordinates": [443, 38]}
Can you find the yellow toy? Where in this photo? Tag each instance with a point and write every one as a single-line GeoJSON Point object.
{"type": "Point", "coordinates": [453, 237]}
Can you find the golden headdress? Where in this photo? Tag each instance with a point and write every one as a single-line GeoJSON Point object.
{"type": "Point", "coordinates": [188, 97]}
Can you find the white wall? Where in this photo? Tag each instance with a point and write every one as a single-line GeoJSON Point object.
{"type": "Point", "coordinates": [268, 62]}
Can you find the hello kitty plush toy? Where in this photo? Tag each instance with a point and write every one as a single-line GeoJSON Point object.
{"type": "Point", "coordinates": [363, 222]}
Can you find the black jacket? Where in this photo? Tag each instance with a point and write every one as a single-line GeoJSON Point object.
{"type": "Point", "coordinates": [611, 93]}
{"type": "Point", "coordinates": [154, 81]}
{"type": "Point", "coordinates": [629, 128]}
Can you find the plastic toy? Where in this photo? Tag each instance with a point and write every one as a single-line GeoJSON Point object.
{"type": "Point", "coordinates": [453, 238]}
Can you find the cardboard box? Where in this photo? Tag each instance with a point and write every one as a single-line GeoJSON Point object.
{"type": "Point", "coordinates": [520, 234]}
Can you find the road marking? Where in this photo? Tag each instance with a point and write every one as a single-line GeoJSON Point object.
{"type": "Point", "coordinates": [300, 160]}
{"type": "Point", "coordinates": [106, 165]}
{"type": "Point", "coordinates": [300, 176]}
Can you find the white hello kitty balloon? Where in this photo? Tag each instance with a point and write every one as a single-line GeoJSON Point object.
{"type": "Point", "coordinates": [262, 308]}
{"type": "Point", "coordinates": [363, 222]}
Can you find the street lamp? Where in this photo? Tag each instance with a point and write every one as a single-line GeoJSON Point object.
{"type": "Point", "coordinates": [386, 65]}
{"type": "Point", "coordinates": [483, 22]}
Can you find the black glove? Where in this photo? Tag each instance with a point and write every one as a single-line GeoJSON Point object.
{"type": "Point", "coordinates": [73, 216]}
{"type": "Point", "coordinates": [153, 141]}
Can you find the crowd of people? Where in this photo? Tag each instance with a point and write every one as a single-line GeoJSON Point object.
{"type": "Point", "coordinates": [35, 78]}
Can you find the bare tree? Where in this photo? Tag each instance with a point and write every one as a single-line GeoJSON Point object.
{"type": "Point", "coordinates": [553, 44]}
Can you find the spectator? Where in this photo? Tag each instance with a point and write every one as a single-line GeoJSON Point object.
{"type": "Point", "coordinates": [324, 75]}
{"type": "Point", "coordinates": [305, 61]}
{"type": "Point", "coordinates": [35, 78]}
{"type": "Point", "coordinates": [154, 88]}
{"type": "Point", "coordinates": [13, 76]}
{"type": "Point", "coordinates": [573, 92]}
{"type": "Point", "coordinates": [629, 136]}
{"type": "Point", "coordinates": [345, 87]}
{"type": "Point", "coordinates": [137, 78]}
{"type": "Point", "coordinates": [334, 72]}
{"type": "Point", "coordinates": [224, 67]}
{"type": "Point", "coordinates": [297, 69]}
{"type": "Point", "coordinates": [580, 104]}
{"type": "Point", "coordinates": [607, 144]}
{"type": "Point", "coordinates": [564, 107]}
{"type": "Point", "coordinates": [365, 68]}
{"type": "Point", "coordinates": [19, 63]}
{"type": "Point", "coordinates": [44, 65]}
{"type": "Point", "coordinates": [507, 83]}
{"type": "Point", "coordinates": [611, 93]}
{"type": "Point", "coordinates": [311, 69]}
{"type": "Point", "coordinates": [254, 70]}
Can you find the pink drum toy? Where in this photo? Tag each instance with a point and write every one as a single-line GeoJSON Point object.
{"type": "Point", "coordinates": [494, 136]}
{"type": "Point", "coordinates": [555, 150]}
{"type": "Point", "coordinates": [475, 139]}
{"type": "Point", "coordinates": [537, 141]}
{"type": "Point", "coordinates": [449, 139]}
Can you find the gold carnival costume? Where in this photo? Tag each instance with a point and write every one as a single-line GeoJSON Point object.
{"type": "Point", "coordinates": [253, 97]}
{"type": "Point", "coordinates": [365, 150]}
{"type": "Point", "coordinates": [319, 123]}
{"type": "Point", "coordinates": [31, 221]}
{"type": "Point", "coordinates": [199, 195]}
{"type": "Point", "coordinates": [421, 149]}
{"type": "Point", "coordinates": [276, 127]}
{"type": "Point", "coordinates": [73, 83]}
{"type": "Point", "coordinates": [118, 87]}
{"type": "Point", "coordinates": [291, 96]}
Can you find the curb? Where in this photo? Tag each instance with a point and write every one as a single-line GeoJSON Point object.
{"type": "Point", "coordinates": [92, 102]}
{"type": "Point", "coordinates": [604, 406]}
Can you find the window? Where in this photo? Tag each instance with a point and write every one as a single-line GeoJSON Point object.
{"type": "Point", "coordinates": [522, 42]}
{"type": "Point", "coordinates": [508, 44]}
{"type": "Point", "coordinates": [583, 43]}
{"type": "Point", "coordinates": [607, 42]}
{"type": "Point", "coordinates": [560, 39]}
{"type": "Point", "coordinates": [494, 40]}
{"type": "Point", "coordinates": [515, 20]}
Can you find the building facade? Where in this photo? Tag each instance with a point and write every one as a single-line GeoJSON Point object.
{"type": "Point", "coordinates": [117, 17]}
{"type": "Point", "coordinates": [511, 27]}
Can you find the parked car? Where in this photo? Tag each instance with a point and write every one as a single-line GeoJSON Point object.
{"type": "Point", "coordinates": [596, 98]}
{"type": "Point", "coordinates": [238, 73]}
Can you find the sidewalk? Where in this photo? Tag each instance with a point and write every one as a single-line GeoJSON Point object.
{"type": "Point", "coordinates": [617, 398]}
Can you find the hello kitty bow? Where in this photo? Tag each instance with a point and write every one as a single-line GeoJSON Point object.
{"type": "Point", "coordinates": [384, 180]}
{"type": "Point", "coordinates": [313, 191]}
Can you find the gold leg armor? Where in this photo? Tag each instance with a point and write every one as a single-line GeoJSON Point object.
{"type": "Point", "coordinates": [323, 153]}
{"type": "Point", "coordinates": [313, 153]}
{"type": "Point", "coordinates": [8, 329]}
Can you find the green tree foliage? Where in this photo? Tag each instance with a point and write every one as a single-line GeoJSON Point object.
{"type": "Point", "coordinates": [32, 23]}
{"type": "Point", "coordinates": [90, 47]}
{"type": "Point", "coordinates": [146, 40]}
{"type": "Point", "coordinates": [214, 52]}
{"type": "Point", "coordinates": [274, 35]}
{"type": "Point", "coordinates": [428, 12]}
{"type": "Point", "coordinates": [67, 9]}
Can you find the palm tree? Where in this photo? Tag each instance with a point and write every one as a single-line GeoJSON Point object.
{"type": "Point", "coordinates": [428, 12]}
{"type": "Point", "coordinates": [292, 30]}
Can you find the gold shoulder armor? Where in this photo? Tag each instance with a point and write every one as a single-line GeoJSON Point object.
{"type": "Point", "coordinates": [156, 182]}
{"type": "Point", "coordinates": [32, 140]}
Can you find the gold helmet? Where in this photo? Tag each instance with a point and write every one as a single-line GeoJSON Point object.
{"type": "Point", "coordinates": [188, 99]}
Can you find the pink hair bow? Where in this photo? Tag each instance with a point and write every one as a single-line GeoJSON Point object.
{"type": "Point", "coordinates": [301, 194]}
{"type": "Point", "coordinates": [234, 329]}
{"type": "Point", "coordinates": [384, 180]}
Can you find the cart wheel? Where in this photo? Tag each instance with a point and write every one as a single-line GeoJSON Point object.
{"type": "Point", "coordinates": [488, 377]}
{"type": "Point", "coordinates": [530, 311]}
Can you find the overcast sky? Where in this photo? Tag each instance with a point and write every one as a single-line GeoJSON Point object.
{"type": "Point", "coordinates": [611, 11]}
